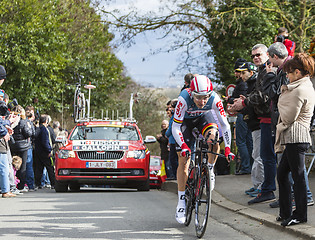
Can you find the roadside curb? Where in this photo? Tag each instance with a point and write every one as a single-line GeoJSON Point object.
{"type": "Point", "coordinates": [302, 230]}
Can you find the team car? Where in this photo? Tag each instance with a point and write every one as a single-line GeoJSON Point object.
{"type": "Point", "coordinates": [157, 171]}
{"type": "Point", "coordinates": [104, 152]}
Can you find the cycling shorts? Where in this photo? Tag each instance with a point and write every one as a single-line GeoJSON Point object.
{"type": "Point", "coordinates": [202, 123]}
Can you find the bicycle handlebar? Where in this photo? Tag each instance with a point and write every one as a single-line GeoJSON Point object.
{"type": "Point", "coordinates": [230, 157]}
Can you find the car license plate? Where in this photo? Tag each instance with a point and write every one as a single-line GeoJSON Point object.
{"type": "Point", "coordinates": [101, 164]}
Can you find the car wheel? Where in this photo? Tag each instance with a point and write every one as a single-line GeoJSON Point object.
{"type": "Point", "coordinates": [61, 187]}
{"type": "Point", "coordinates": [144, 186]}
{"type": "Point", "coordinates": [74, 187]}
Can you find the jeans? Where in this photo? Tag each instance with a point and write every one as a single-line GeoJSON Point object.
{"type": "Point", "coordinates": [257, 174]}
{"type": "Point", "coordinates": [4, 173]}
{"type": "Point", "coordinates": [29, 169]}
{"type": "Point", "coordinates": [268, 157]}
{"type": "Point", "coordinates": [11, 172]}
{"type": "Point", "coordinates": [244, 143]}
{"type": "Point", "coordinates": [45, 179]}
{"type": "Point", "coordinates": [293, 159]}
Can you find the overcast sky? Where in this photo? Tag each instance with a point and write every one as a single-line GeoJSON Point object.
{"type": "Point", "coordinates": [155, 70]}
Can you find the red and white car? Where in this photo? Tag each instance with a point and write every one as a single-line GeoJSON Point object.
{"type": "Point", "coordinates": [104, 153]}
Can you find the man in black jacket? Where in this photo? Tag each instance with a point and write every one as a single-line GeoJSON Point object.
{"type": "Point", "coordinates": [43, 153]}
{"type": "Point", "coordinates": [261, 104]}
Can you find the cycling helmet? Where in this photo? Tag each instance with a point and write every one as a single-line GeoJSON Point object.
{"type": "Point", "coordinates": [201, 85]}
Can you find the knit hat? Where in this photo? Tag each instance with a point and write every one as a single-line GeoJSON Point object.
{"type": "Point", "coordinates": [3, 73]}
{"type": "Point", "coordinates": [239, 62]}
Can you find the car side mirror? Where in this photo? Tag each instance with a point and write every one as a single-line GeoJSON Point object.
{"type": "Point", "coordinates": [149, 139]}
{"type": "Point", "coordinates": [61, 139]}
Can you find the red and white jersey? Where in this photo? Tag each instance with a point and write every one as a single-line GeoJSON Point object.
{"type": "Point", "coordinates": [186, 108]}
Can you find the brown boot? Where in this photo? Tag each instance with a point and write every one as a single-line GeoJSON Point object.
{"type": "Point", "coordinates": [8, 195]}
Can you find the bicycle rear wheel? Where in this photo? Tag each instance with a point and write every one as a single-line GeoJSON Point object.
{"type": "Point", "coordinates": [203, 201]}
{"type": "Point", "coordinates": [189, 196]}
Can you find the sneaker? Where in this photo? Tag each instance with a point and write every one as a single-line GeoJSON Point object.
{"type": "Point", "coordinates": [274, 204]}
{"type": "Point", "coordinates": [292, 221]}
{"type": "Point", "coordinates": [254, 193]}
{"type": "Point", "coordinates": [212, 179]}
{"type": "Point", "coordinates": [24, 190]}
{"type": "Point", "coordinates": [310, 202]}
{"type": "Point", "coordinates": [250, 190]}
{"type": "Point", "coordinates": [47, 186]}
{"type": "Point", "coordinates": [52, 187]}
{"type": "Point", "coordinates": [32, 190]}
{"type": "Point", "coordinates": [16, 192]}
{"type": "Point", "coordinates": [180, 214]}
{"type": "Point", "coordinates": [262, 197]}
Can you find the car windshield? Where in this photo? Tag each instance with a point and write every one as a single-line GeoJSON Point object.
{"type": "Point", "coordinates": [105, 133]}
{"type": "Point", "coordinates": [154, 161]}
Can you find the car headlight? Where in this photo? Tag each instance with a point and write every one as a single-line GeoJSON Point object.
{"type": "Point", "coordinates": [66, 154]}
{"type": "Point", "coordinates": [138, 154]}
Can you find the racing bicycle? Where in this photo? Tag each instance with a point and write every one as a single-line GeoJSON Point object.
{"type": "Point", "coordinates": [79, 104]}
{"type": "Point", "coordinates": [198, 185]}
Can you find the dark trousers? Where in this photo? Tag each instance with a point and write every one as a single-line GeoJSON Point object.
{"type": "Point", "coordinates": [21, 174]}
{"type": "Point", "coordinates": [293, 159]}
{"type": "Point", "coordinates": [41, 161]}
{"type": "Point", "coordinates": [173, 157]}
{"type": "Point", "coordinates": [268, 157]}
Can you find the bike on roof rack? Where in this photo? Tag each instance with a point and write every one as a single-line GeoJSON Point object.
{"type": "Point", "coordinates": [79, 103]}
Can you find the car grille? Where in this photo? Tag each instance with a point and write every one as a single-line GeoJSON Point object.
{"type": "Point", "coordinates": [106, 172]}
{"type": "Point", "coordinates": [94, 155]}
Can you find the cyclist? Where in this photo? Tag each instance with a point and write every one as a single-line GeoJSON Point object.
{"type": "Point", "coordinates": [193, 109]}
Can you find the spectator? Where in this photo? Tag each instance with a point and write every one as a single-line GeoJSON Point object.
{"type": "Point", "coordinates": [45, 182]}
{"type": "Point", "coordinates": [282, 37]}
{"type": "Point", "coordinates": [173, 158]}
{"type": "Point", "coordinates": [278, 56]}
{"type": "Point", "coordinates": [249, 75]}
{"type": "Point", "coordinates": [5, 132]}
{"type": "Point", "coordinates": [296, 104]}
{"type": "Point", "coordinates": [243, 136]}
{"type": "Point", "coordinates": [162, 139]}
{"type": "Point", "coordinates": [30, 181]}
{"type": "Point", "coordinates": [4, 112]}
{"type": "Point", "coordinates": [16, 163]}
{"type": "Point", "coordinates": [43, 153]}
{"type": "Point", "coordinates": [188, 77]}
{"type": "Point", "coordinates": [261, 105]}
{"type": "Point", "coordinates": [22, 142]}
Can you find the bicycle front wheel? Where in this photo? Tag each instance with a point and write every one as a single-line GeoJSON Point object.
{"type": "Point", "coordinates": [189, 195]}
{"type": "Point", "coordinates": [203, 202]}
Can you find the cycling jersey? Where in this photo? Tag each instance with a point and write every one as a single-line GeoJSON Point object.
{"type": "Point", "coordinates": [187, 109]}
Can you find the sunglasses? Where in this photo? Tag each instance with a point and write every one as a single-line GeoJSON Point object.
{"type": "Point", "coordinates": [255, 55]}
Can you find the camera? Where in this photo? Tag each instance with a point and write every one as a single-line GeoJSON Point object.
{"type": "Point", "coordinates": [4, 111]}
{"type": "Point", "coordinates": [12, 104]}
